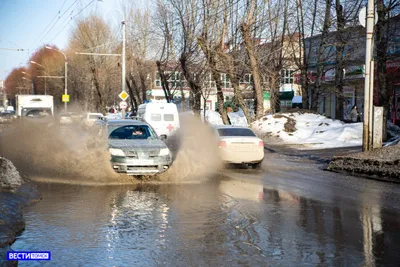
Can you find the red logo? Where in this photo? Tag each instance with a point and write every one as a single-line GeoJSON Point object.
{"type": "Point", "coordinates": [170, 127]}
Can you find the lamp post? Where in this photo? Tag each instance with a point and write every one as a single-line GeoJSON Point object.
{"type": "Point", "coordinates": [66, 74]}
{"type": "Point", "coordinates": [23, 72]}
{"type": "Point", "coordinates": [45, 78]}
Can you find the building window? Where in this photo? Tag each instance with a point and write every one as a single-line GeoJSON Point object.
{"type": "Point", "coordinates": [247, 79]}
{"type": "Point", "coordinates": [287, 76]}
{"type": "Point", "coordinates": [158, 79]}
{"type": "Point", "coordinates": [175, 79]}
{"type": "Point", "coordinates": [209, 81]}
{"type": "Point", "coordinates": [226, 82]}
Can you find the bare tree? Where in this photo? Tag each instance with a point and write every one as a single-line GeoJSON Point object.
{"type": "Point", "coordinates": [386, 9]}
{"type": "Point", "coordinates": [94, 35]}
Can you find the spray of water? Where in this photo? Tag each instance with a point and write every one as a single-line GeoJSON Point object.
{"type": "Point", "coordinates": [197, 158]}
{"type": "Point", "coordinates": [71, 154]}
{"type": "Point", "coordinates": [67, 152]}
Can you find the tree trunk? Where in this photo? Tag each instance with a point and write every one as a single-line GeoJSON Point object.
{"type": "Point", "coordinates": [211, 60]}
{"type": "Point", "coordinates": [164, 82]}
{"type": "Point", "coordinates": [100, 105]}
{"type": "Point", "coordinates": [339, 60]}
{"type": "Point", "coordinates": [255, 70]}
{"type": "Point", "coordinates": [183, 101]}
{"type": "Point", "coordinates": [133, 100]}
{"type": "Point", "coordinates": [194, 86]}
{"type": "Point", "coordinates": [320, 67]}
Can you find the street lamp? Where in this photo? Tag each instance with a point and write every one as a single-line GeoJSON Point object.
{"type": "Point", "coordinates": [66, 73]}
{"type": "Point", "coordinates": [45, 79]}
{"type": "Point", "coordinates": [24, 78]}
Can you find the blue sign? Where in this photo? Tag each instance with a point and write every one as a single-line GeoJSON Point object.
{"type": "Point", "coordinates": [28, 255]}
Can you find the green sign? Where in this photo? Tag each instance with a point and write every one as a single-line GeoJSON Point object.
{"type": "Point", "coordinates": [267, 96]}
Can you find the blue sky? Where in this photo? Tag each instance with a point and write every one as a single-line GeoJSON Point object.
{"type": "Point", "coordinates": [29, 24]}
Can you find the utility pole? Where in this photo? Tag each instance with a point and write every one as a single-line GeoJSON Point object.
{"type": "Point", "coordinates": [66, 83]}
{"type": "Point", "coordinates": [65, 75]}
{"type": "Point", "coordinates": [369, 79]}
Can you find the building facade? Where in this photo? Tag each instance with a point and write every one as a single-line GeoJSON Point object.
{"type": "Point", "coordinates": [354, 60]}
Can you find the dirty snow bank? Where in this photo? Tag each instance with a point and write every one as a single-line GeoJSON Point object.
{"type": "Point", "coordinates": [214, 118]}
{"type": "Point", "coordinates": [381, 163]}
{"type": "Point", "coordinates": [308, 129]}
{"type": "Point", "coordinates": [9, 176]}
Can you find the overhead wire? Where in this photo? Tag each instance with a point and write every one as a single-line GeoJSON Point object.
{"type": "Point", "coordinates": [44, 31]}
{"type": "Point", "coordinates": [51, 22]}
{"type": "Point", "coordinates": [72, 19]}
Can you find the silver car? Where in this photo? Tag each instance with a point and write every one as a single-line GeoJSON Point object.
{"type": "Point", "coordinates": [136, 149]}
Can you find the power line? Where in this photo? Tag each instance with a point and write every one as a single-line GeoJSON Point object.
{"type": "Point", "coordinates": [72, 19]}
{"type": "Point", "coordinates": [48, 25]}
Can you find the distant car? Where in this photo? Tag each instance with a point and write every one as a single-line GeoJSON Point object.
{"type": "Point", "coordinates": [76, 117]}
{"type": "Point", "coordinates": [92, 117]}
{"type": "Point", "coordinates": [239, 145]}
{"type": "Point", "coordinates": [113, 116]}
{"type": "Point", "coordinates": [136, 149]}
{"type": "Point", "coordinates": [7, 116]}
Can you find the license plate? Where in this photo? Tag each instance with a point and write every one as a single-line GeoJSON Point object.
{"type": "Point", "coordinates": [144, 162]}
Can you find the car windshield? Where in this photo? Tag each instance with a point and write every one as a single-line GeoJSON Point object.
{"type": "Point", "coordinates": [133, 132]}
{"type": "Point", "coordinates": [37, 113]}
{"type": "Point", "coordinates": [235, 132]}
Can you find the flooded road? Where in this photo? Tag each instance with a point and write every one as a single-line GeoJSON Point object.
{"type": "Point", "coordinates": [290, 214]}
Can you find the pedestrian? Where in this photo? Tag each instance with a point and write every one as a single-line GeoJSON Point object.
{"type": "Point", "coordinates": [354, 114]}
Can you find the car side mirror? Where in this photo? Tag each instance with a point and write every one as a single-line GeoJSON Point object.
{"type": "Point", "coordinates": [163, 137]}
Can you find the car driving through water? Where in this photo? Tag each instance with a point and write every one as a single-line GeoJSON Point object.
{"type": "Point", "coordinates": [239, 145]}
{"type": "Point", "coordinates": [136, 149]}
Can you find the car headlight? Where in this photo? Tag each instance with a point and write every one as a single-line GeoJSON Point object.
{"type": "Point", "coordinates": [116, 152]}
{"type": "Point", "coordinates": [164, 152]}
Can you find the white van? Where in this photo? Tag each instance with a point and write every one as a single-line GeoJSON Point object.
{"type": "Point", "coordinates": [163, 117]}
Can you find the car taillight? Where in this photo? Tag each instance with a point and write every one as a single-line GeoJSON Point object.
{"type": "Point", "coordinates": [261, 144]}
{"type": "Point", "coordinates": [222, 144]}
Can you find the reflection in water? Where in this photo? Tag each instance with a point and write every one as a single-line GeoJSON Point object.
{"type": "Point", "coordinates": [222, 223]}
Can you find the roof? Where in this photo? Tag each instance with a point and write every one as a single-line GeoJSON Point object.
{"type": "Point", "coordinates": [229, 127]}
{"type": "Point", "coordinates": [126, 122]}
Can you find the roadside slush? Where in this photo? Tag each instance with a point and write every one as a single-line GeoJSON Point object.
{"type": "Point", "coordinates": [15, 194]}
{"type": "Point", "coordinates": [382, 164]}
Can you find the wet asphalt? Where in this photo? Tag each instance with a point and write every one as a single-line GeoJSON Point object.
{"type": "Point", "coordinates": [290, 213]}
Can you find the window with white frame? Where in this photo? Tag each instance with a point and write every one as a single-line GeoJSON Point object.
{"type": "Point", "coordinates": [175, 79]}
{"type": "Point", "coordinates": [287, 76]}
{"type": "Point", "coordinates": [209, 81]}
{"type": "Point", "coordinates": [226, 82]}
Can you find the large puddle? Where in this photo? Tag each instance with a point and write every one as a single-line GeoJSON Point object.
{"type": "Point", "coordinates": [225, 222]}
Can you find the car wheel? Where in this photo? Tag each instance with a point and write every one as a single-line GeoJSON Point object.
{"type": "Point", "coordinates": [256, 165]}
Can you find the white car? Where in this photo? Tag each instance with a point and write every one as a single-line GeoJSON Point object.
{"type": "Point", "coordinates": [92, 117]}
{"type": "Point", "coordinates": [239, 145]}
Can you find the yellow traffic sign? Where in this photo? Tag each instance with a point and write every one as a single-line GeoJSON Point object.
{"type": "Point", "coordinates": [123, 95]}
{"type": "Point", "coordinates": [65, 98]}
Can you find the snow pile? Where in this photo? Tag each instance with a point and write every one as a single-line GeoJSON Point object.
{"type": "Point", "coordinates": [235, 118]}
{"type": "Point", "coordinates": [9, 176]}
{"type": "Point", "coordinates": [310, 130]}
{"type": "Point", "coordinates": [238, 118]}
{"type": "Point", "coordinates": [212, 117]}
